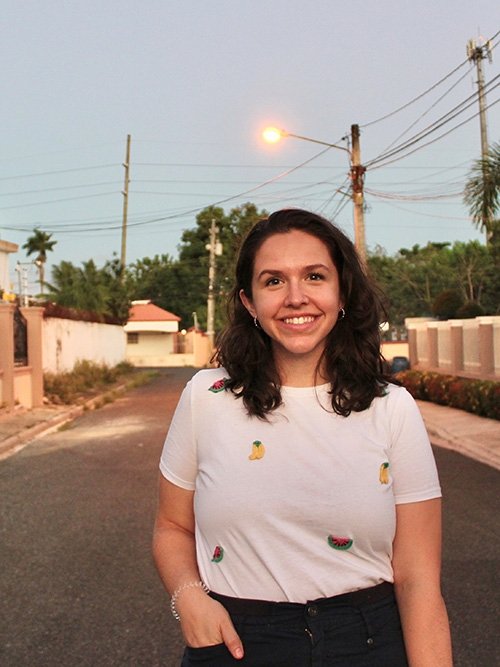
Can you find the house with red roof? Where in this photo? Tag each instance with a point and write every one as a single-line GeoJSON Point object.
{"type": "Point", "coordinates": [154, 339]}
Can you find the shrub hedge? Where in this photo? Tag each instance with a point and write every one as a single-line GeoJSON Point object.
{"type": "Point", "coordinates": [481, 397]}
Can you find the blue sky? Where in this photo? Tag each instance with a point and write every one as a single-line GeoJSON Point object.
{"type": "Point", "coordinates": [195, 82]}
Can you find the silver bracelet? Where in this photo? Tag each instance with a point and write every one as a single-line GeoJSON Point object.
{"type": "Point", "coordinates": [178, 591]}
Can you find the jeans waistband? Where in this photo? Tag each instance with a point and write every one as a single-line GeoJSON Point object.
{"type": "Point", "coordinates": [268, 608]}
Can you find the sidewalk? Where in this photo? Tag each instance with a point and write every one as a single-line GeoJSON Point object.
{"type": "Point", "coordinates": [472, 436]}
{"type": "Point", "coordinates": [21, 426]}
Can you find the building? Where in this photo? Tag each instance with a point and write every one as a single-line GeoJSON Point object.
{"type": "Point", "coordinates": [154, 339]}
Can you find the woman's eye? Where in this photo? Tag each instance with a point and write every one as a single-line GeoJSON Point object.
{"type": "Point", "coordinates": [272, 281]}
{"type": "Point", "coordinates": [315, 276]}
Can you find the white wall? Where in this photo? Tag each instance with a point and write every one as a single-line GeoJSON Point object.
{"type": "Point", "coordinates": [64, 342]}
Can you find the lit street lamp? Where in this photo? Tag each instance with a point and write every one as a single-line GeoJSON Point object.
{"type": "Point", "coordinates": [357, 171]}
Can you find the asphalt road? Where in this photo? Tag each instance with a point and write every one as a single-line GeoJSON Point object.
{"type": "Point", "coordinates": [77, 582]}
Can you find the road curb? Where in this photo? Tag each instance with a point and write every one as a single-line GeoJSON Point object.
{"type": "Point", "coordinates": [471, 449]}
{"type": "Point", "coordinates": [15, 443]}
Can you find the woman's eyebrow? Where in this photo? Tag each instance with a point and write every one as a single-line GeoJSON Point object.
{"type": "Point", "coordinates": [279, 272]}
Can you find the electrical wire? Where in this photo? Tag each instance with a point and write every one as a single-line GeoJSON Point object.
{"type": "Point", "coordinates": [443, 120]}
{"type": "Point", "coordinates": [429, 109]}
{"type": "Point", "coordinates": [428, 143]}
{"type": "Point", "coordinates": [415, 99]}
{"type": "Point", "coordinates": [61, 171]}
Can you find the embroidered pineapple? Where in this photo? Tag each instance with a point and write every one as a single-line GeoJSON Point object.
{"type": "Point", "coordinates": [258, 450]}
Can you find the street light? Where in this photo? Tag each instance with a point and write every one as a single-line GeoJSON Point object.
{"type": "Point", "coordinates": [272, 135]}
{"type": "Point", "coordinates": [357, 171]}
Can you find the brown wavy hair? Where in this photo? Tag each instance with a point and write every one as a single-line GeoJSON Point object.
{"type": "Point", "coordinates": [351, 361]}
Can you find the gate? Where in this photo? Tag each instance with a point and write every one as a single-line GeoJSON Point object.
{"type": "Point", "coordinates": [20, 339]}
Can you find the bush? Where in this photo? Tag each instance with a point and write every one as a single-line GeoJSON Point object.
{"type": "Point", "coordinates": [85, 378]}
{"type": "Point", "coordinates": [446, 304]}
{"type": "Point", "coordinates": [469, 310]}
{"type": "Point", "coordinates": [481, 397]}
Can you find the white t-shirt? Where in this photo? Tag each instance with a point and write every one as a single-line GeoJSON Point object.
{"type": "Point", "coordinates": [301, 506]}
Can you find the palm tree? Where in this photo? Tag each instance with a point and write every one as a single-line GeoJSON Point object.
{"type": "Point", "coordinates": [40, 244]}
{"type": "Point", "coordinates": [482, 192]}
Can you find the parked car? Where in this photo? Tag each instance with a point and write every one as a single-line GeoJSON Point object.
{"type": "Point", "coordinates": [400, 364]}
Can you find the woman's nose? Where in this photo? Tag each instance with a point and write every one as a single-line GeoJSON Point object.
{"type": "Point", "coordinates": [296, 295]}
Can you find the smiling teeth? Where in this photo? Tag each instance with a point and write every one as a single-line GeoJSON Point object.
{"type": "Point", "coordinates": [298, 320]}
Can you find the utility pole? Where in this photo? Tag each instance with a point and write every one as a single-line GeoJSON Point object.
{"type": "Point", "coordinates": [477, 54]}
{"type": "Point", "coordinates": [214, 249]}
{"type": "Point", "coordinates": [357, 178]}
{"type": "Point", "coordinates": [126, 164]}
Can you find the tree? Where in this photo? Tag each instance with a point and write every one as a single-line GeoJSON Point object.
{"type": "Point", "coordinates": [98, 290]}
{"type": "Point", "coordinates": [181, 285]}
{"type": "Point", "coordinates": [482, 193]}
{"type": "Point", "coordinates": [40, 244]}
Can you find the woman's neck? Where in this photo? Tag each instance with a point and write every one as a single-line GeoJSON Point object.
{"type": "Point", "coordinates": [300, 373]}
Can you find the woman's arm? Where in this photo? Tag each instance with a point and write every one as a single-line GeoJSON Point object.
{"type": "Point", "coordinates": [417, 572]}
{"type": "Point", "coordinates": [204, 621]}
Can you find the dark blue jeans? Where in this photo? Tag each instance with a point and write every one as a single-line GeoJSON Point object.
{"type": "Point", "coordinates": [322, 633]}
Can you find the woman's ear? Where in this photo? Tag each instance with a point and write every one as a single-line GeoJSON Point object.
{"type": "Point", "coordinates": [247, 303]}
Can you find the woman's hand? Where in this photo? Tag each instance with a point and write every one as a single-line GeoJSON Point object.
{"type": "Point", "coordinates": [205, 622]}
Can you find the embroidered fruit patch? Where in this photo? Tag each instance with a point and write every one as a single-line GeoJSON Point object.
{"type": "Point", "coordinates": [383, 474]}
{"type": "Point", "coordinates": [218, 385]}
{"type": "Point", "coordinates": [258, 450]}
{"type": "Point", "coordinates": [218, 554]}
{"type": "Point", "coordinates": [340, 543]}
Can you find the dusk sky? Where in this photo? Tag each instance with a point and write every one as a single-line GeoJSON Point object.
{"type": "Point", "coordinates": [194, 83]}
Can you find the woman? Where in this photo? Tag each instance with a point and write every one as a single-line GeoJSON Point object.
{"type": "Point", "coordinates": [299, 507]}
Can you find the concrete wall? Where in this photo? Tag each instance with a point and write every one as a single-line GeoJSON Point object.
{"type": "Point", "coordinates": [67, 341]}
{"type": "Point", "coordinates": [470, 348]}
{"type": "Point", "coordinates": [54, 345]}
{"type": "Point", "coordinates": [21, 384]}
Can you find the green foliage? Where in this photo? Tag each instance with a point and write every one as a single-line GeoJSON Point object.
{"type": "Point", "coordinates": [414, 278]}
{"type": "Point", "coordinates": [89, 288]}
{"type": "Point", "coordinates": [181, 286]}
{"type": "Point", "coordinates": [481, 397]}
{"type": "Point", "coordinates": [447, 304]}
{"type": "Point", "coordinates": [469, 310]}
{"type": "Point", "coordinates": [40, 244]}
{"type": "Point", "coordinates": [482, 191]}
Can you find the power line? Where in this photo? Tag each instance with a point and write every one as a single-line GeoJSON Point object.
{"type": "Point", "coordinates": [415, 99]}
{"type": "Point", "coordinates": [443, 120]}
{"type": "Point", "coordinates": [61, 171]}
{"type": "Point", "coordinates": [428, 143]}
{"type": "Point", "coordinates": [418, 97]}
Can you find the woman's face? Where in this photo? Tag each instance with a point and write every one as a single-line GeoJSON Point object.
{"type": "Point", "coordinates": [295, 296]}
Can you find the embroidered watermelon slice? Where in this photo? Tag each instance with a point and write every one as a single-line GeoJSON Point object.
{"type": "Point", "coordinates": [217, 386]}
{"type": "Point", "coordinates": [340, 543]}
{"type": "Point", "coordinates": [218, 554]}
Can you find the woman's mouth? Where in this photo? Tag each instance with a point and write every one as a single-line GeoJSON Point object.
{"type": "Point", "coordinates": [303, 319]}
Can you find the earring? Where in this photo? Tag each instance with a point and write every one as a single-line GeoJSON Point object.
{"type": "Point", "coordinates": [341, 314]}
{"type": "Point", "coordinates": [256, 323]}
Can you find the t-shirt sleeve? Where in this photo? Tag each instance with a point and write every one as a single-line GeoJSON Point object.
{"type": "Point", "coordinates": [413, 468]}
{"type": "Point", "coordinates": [178, 457]}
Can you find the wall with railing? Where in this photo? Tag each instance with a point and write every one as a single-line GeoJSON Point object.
{"type": "Point", "coordinates": [469, 348]}
{"type": "Point", "coordinates": [53, 344]}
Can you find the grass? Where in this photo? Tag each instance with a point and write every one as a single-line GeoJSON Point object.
{"type": "Point", "coordinates": [89, 379]}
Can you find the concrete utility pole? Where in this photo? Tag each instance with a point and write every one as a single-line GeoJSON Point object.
{"type": "Point", "coordinates": [126, 164]}
{"type": "Point", "coordinates": [477, 54]}
{"type": "Point", "coordinates": [357, 178]}
{"type": "Point", "coordinates": [214, 249]}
